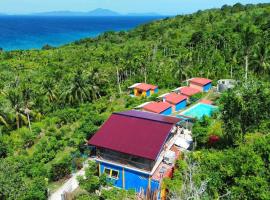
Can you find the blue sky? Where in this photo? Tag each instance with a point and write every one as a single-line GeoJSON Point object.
{"type": "Point", "coordinates": [123, 6]}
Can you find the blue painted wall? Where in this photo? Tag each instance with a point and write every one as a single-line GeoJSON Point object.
{"type": "Point", "coordinates": [133, 180]}
{"type": "Point", "coordinates": [154, 185]}
{"type": "Point", "coordinates": [136, 180]}
{"type": "Point", "coordinates": [119, 181]}
{"type": "Point", "coordinates": [156, 90]}
{"type": "Point", "coordinates": [181, 105]}
{"type": "Point", "coordinates": [148, 93]}
{"type": "Point", "coordinates": [167, 112]}
{"type": "Point", "coordinates": [207, 87]}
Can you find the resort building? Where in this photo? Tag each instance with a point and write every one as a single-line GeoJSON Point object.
{"type": "Point", "coordinates": [177, 101]}
{"type": "Point", "coordinates": [136, 149]}
{"type": "Point", "coordinates": [202, 84]}
{"type": "Point", "coordinates": [187, 91]}
{"type": "Point", "coordinates": [143, 89]}
{"type": "Point", "coordinates": [162, 108]}
{"type": "Point", "coordinates": [162, 97]}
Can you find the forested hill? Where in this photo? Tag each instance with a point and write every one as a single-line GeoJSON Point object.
{"type": "Point", "coordinates": [52, 100]}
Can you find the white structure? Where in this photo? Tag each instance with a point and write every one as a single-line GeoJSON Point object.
{"type": "Point", "coordinates": [225, 84]}
{"type": "Point", "coordinates": [169, 157]}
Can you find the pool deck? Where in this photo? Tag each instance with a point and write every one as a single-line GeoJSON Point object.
{"type": "Point", "coordinates": [205, 101]}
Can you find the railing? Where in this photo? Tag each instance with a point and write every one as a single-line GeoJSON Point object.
{"type": "Point", "coordinates": [124, 161]}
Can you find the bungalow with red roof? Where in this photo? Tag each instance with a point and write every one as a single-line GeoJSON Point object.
{"type": "Point", "coordinates": [143, 89]}
{"type": "Point", "coordinates": [202, 84]}
{"type": "Point", "coordinates": [177, 101]}
{"type": "Point", "coordinates": [162, 108]}
{"type": "Point", "coordinates": [188, 91]}
{"type": "Point", "coordinates": [137, 149]}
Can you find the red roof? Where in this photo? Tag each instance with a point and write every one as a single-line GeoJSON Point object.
{"type": "Point", "coordinates": [135, 133]}
{"type": "Point", "coordinates": [201, 81]}
{"type": "Point", "coordinates": [189, 91]}
{"type": "Point", "coordinates": [145, 87]}
{"type": "Point", "coordinates": [157, 107]}
{"type": "Point", "coordinates": [174, 98]}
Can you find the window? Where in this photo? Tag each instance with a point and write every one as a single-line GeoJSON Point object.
{"type": "Point", "coordinates": [107, 171]}
{"type": "Point", "coordinates": [115, 174]}
{"type": "Point", "coordinates": [111, 173]}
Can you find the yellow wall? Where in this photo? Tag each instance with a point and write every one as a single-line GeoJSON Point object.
{"type": "Point", "coordinates": [137, 93]}
{"type": "Point", "coordinates": [143, 94]}
{"type": "Point", "coordinates": [163, 194]}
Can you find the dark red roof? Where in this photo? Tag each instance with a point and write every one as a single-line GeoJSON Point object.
{"type": "Point", "coordinates": [135, 133]}
{"type": "Point", "coordinates": [201, 81]}
{"type": "Point", "coordinates": [174, 98]}
{"type": "Point", "coordinates": [157, 107]}
{"type": "Point", "coordinates": [145, 87]}
{"type": "Point", "coordinates": [189, 91]}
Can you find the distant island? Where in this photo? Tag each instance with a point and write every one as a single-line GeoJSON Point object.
{"type": "Point", "coordinates": [99, 12]}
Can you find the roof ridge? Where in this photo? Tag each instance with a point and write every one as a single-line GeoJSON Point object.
{"type": "Point", "coordinates": [128, 115]}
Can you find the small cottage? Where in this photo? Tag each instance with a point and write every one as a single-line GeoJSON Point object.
{"type": "Point", "coordinates": [143, 89]}
{"type": "Point", "coordinates": [188, 91]}
{"type": "Point", "coordinates": [162, 108]}
{"type": "Point", "coordinates": [177, 101]}
{"type": "Point", "coordinates": [202, 84]}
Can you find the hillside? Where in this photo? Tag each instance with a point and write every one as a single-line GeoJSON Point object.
{"type": "Point", "coordinates": [52, 100]}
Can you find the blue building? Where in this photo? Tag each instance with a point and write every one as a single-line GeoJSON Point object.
{"type": "Point", "coordinates": [162, 108]}
{"type": "Point", "coordinates": [177, 101]}
{"type": "Point", "coordinates": [202, 84]}
{"type": "Point", "coordinates": [130, 147]}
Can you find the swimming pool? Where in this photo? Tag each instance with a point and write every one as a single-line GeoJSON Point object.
{"type": "Point", "coordinates": [200, 110]}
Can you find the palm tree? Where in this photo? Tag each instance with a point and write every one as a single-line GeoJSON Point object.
{"type": "Point", "coordinates": [3, 120]}
{"type": "Point", "coordinates": [16, 105]}
{"type": "Point", "coordinates": [77, 91]}
{"type": "Point", "coordinates": [261, 59]}
{"type": "Point", "coordinates": [249, 36]}
{"type": "Point", "coordinates": [48, 88]}
{"type": "Point", "coordinates": [95, 82]}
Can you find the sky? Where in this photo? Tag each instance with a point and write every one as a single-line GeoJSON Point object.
{"type": "Point", "coordinates": [167, 7]}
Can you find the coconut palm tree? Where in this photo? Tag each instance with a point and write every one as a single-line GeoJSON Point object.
{"type": "Point", "coordinates": [261, 58]}
{"type": "Point", "coordinates": [48, 88]}
{"type": "Point", "coordinates": [77, 91]}
{"type": "Point", "coordinates": [249, 38]}
{"type": "Point", "coordinates": [16, 106]}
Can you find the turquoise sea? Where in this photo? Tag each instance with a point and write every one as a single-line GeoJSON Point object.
{"type": "Point", "coordinates": [28, 32]}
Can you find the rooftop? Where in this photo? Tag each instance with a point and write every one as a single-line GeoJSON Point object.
{"type": "Point", "coordinates": [201, 81]}
{"type": "Point", "coordinates": [135, 133]}
{"type": "Point", "coordinates": [175, 98]}
{"type": "Point", "coordinates": [145, 86]}
{"type": "Point", "coordinates": [157, 107]}
{"type": "Point", "coordinates": [189, 91]}
{"type": "Point", "coordinates": [134, 85]}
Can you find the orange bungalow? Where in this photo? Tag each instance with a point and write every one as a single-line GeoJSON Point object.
{"type": "Point", "coordinates": [143, 89]}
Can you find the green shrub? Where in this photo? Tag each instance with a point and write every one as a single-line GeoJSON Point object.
{"type": "Point", "coordinates": [61, 168]}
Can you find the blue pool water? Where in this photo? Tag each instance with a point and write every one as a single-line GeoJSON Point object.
{"type": "Point", "coordinates": [200, 110]}
{"type": "Point", "coordinates": [28, 32]}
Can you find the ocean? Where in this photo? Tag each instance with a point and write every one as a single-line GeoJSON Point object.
{"type": "Point", "coordinates": [33, 32]}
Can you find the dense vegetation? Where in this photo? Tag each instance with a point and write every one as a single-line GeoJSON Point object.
{"type": "Point", "coordinates": [53, 100]}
